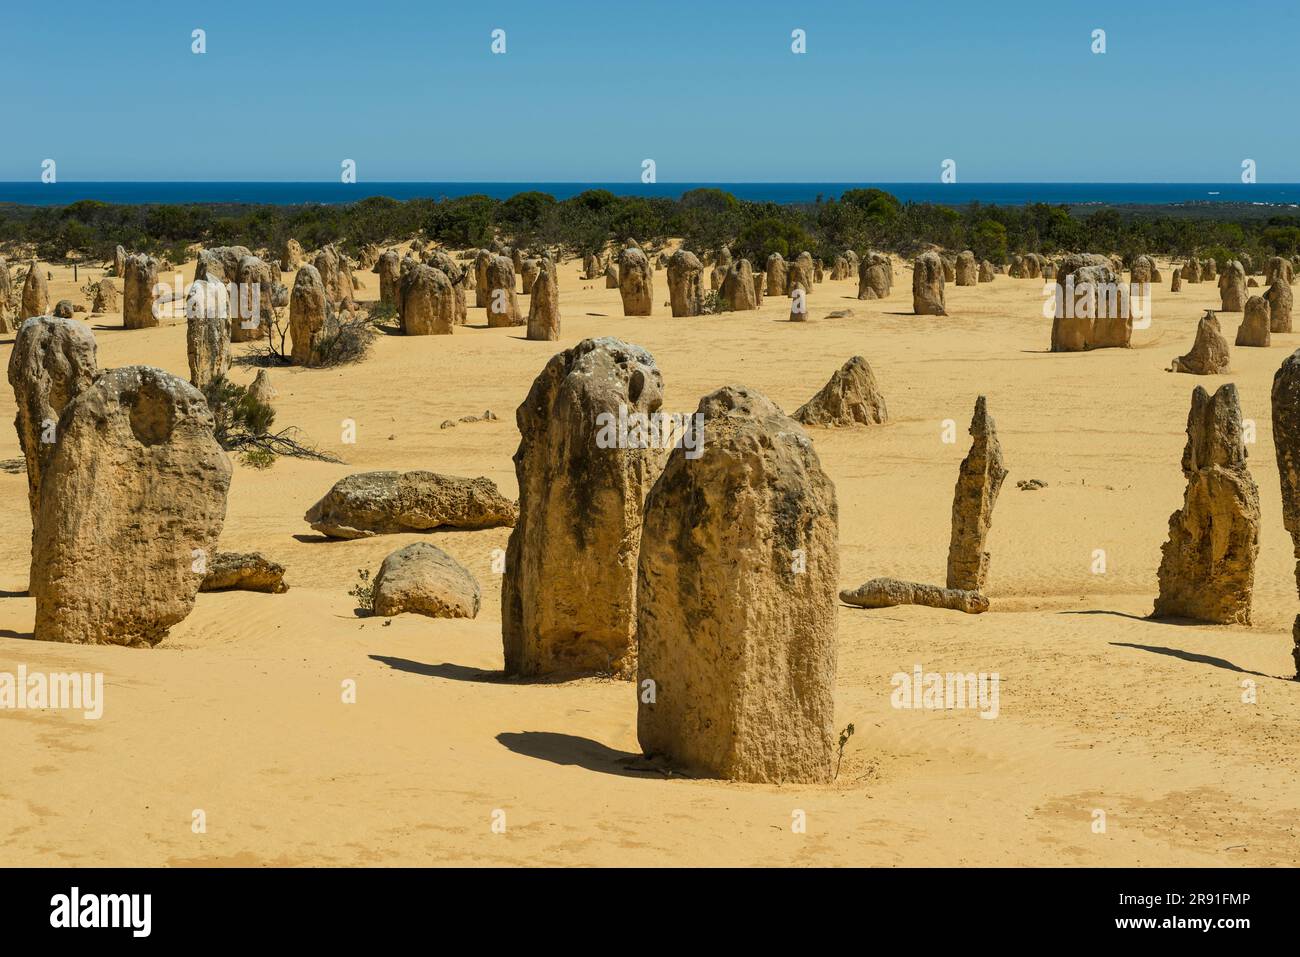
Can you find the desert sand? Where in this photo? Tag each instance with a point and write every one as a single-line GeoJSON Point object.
{"type": "Point", "coordinates": [239, 712]}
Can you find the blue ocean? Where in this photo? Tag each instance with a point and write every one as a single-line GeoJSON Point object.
{"type": "Point", "coordinates": [956, 194]}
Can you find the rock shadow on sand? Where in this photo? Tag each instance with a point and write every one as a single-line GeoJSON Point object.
{"type": "Point", "coordinates": [570, 749]}
{"type": "Point", "coordinates": [447, 669]}
{"type": "Point", "coordinates": [1196, 658]}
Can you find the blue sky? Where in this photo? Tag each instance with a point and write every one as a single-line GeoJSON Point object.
{"type": "Point", "coordinates": [710, 90]}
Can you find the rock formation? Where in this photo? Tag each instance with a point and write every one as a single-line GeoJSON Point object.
{"type": "Point", "coordinates": [1207, 566]}
{"type": "Point", "coordinates": [568, 598]}
{"type": "Point", "coordinates": [889, 592]}
{"type": "Point", "coordinates": [132, 502]}
{"type": "Point", "coordinates": [1092, 306]}
{"type": "Point", "coordinates": [1209, 355]}
{"type": "Point", "coordinates": [388, 268]}
{"type": "Point", "coordinates": [311, 320]}
{"type": "Point", "coordinates": [292, 255]}
{"type": "Point", "coordinates": [428, 302]}
{"type": "Point", "coordinates": [482, 259]}
{"type": "Point", "coordinates": [220, 263]}
{"type": "Point", "coordinates": [927, 285]}
{"type": "Point", "coordinates": [252, 304]}
{"type": "Point", "coordinates": [738, 287]}
{"type": "Point", "coordinates": [1279, 266]}
{"type": "Point", "coordinates": [1279, 299]}
{"type": "Point", "coordinates": [799, 272]}
{"type": "Point", "coordinates": [635, 282]}
{"type": "Point", "coordinates": [140, 275]}
{"type": "Point", "coordinates": [1255, 326]}
{"type": "Point", "coordinates": [544, 305]}
{"type": "Point", "coordinates": [502, 306]}
{"type": "Point", "coordinates": [261, 389]}
{"type": "Point", "coordinates": [967, 269]}
{"type": "Point", "coordinates": [875, 277]}
{"type": "Point", "coordinates": [207, 332]}
{"type": "Point", "coordinates": [243, 571]}
{"type": "Point", "coordinates": [736, 600]}
{"type": "Point", "coordinates": [53, 361]}
{"type": "Point", "coordinates": [528, 273]}
{"type": "Point", "coordinates": [776, 275]}
{"type": "Point", "coordinates": [105, 297]}
{"type": "Point", "coordinates": [423, 579]}
{"type": "Point", "coordinates": [1232, 287]}
{"type": "Point", "coordinates": [685, 286]}
{"type": "Point", "coordinates": [1286, 442]}
{"type": "Point", "coordinates": [851, 397]}
{"type": "Point", "coordinates": [978, 483]}
{"type": "Point", "coordinates": [385, 503]}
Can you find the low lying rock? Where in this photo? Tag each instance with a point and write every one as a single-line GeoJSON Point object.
{"type": "Point", "coordinates": [423, 579]}
{"type": "Point", "coordinates": [385, 503]}
{"type": "Point", "coordinates": [243, 571]}
{"type": "Point", "coordinates": [888, 592]}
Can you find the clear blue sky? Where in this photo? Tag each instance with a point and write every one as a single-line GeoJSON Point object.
{"type": "Point", "coordinates": [709, 89]}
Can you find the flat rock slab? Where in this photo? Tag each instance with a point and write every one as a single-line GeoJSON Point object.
{"type": "Point", "coordinates": [385, 503]}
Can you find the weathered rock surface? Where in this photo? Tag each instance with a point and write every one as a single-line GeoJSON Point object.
{"type": "Point", "coordinates": [1092, 306]}
{"type": "Point", "coordinates": [775, 272]}
{"type": "Point", "coordinates": [132, 498]}
{"type": "Point", "coordinates": [738, 287]}
{"type": "Point", "coordinates": [1232, 287]}
{"type": "Point", "coordinates": [428, 302]}
{"type": "Point", "coordinates": [635, 282]}
{"type": "Point", "coordinates": [207, 332]}
{"type": "Point", "coordinates": [105, 297]}
{"type": "Point", "coordinates": [252, 305]}
{"type": "Point", "coordinates": [1286, 442]}
{"type": "Point", "coordinates": [311, 320]}
{"type": "Point", "coordinates": [385, 503]}
{"type": "Point", "coordinates": [388, 267]}
{"type": "Point", "coordinates": [544, 305]}
{"type": "Point", "coordinates": [261, 389]}
{"type": "Point", "coordinates": [140, 276]}
{"type": "Point", "coordinates": [423, 579]}
{"type": "Point", "coordinates": [978, 483]}
{"type": "Point", "coordinates": [685, 283]}
{"type": "Point", "coordinates": [736, 600]}
{"type": "Point", "coordinates": [927, 285]}
{"type": "Point", "coordinates": [1279, 299]}
{"type": "Point", "coordinates": [875, 277]}
{"type": "Point", "coordinates": [502, 305]}
{"type": "Point", "coordinates": [851, 397]}
{"type": "Point", "coordinates": [889, 592]}
{"type": "Point", "coordinates": [1255, 327]}
{"type": "Point", "coordinates": [568, 598]}
{"type": "Point", "coordinates": [1209, 355]}
{"type": "Point", "coordinates": [966, 270]}
{"type": "Point", "coordinates": [52, 362]}
{"type": "Point", "coordinates": [243, 571]}
{"type": "Point", "coordinates": [1207, 566]}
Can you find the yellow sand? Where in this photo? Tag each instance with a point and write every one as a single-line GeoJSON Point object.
{"type": "Point", "coordinates": [239, 712]}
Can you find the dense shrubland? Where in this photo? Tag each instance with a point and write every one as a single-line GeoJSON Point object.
{"type": "Point", "coordinates": [706, 218]}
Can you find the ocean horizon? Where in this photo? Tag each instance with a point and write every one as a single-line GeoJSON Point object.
{"type": "Point", "coordinates": [28, 193]}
